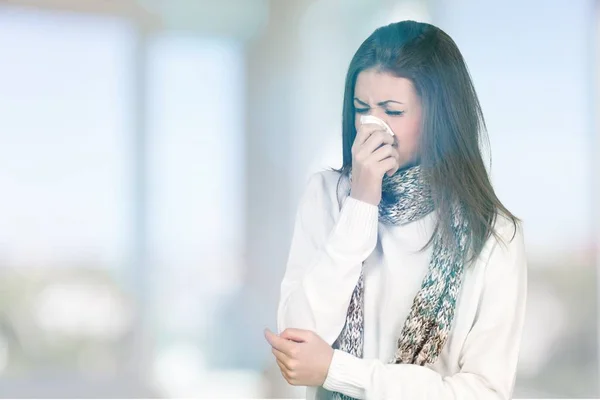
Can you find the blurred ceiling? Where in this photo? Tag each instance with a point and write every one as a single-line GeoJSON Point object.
{"type": "Point", "coordinates": [240, 19]}
{"type": "Point", "coordinates": [237, 18]}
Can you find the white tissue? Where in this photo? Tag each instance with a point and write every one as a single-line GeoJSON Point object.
{"type": "Point", "coordinates": [371, 119]}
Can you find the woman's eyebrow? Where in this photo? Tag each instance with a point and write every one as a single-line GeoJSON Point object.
{"type": "Point", "coordinates": [383, 103]}
{"type": "Point", "coordinates": [360, 102]}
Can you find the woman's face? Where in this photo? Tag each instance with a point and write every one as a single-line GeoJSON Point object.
{"type": "Point", "coordinates": [395, 101]}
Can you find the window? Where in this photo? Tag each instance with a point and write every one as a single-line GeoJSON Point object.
{"type": "Point", "coordinates": [65, 209]}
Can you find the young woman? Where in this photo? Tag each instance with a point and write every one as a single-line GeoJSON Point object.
{"type": "Point", "coordinates": [407, 276]}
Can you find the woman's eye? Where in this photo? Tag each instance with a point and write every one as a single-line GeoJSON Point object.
{"type": "Point", "coordinates": [394, 112]}
{"type": "Point", "coordinates": [361, 110]}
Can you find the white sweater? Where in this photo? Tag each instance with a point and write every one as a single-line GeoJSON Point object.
{"type": "Point", "coordinates": [328, 247]}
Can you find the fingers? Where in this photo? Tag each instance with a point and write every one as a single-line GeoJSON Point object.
{"type": "Point", "coordinates": [286, 365]}
{"type": "Point", "coordinates": [284, 370]}
{"type": "Point", "coordinates": [281, 357]}
{"type": "Point", "coordinates": [284, 345]}
{"type": "Point", "coordinates": [390, 165]}
{"type": "Point", "coordinates": [282, 367]}
{"type": "Point", "coordinates": [365, 131]}
{"type": "Point", "coordinates": [270, 336]}
{"type": "Point", "coordinates": [297, 335]}
{"type": "Point", "coordinates": [385, 151]}
{"type": "Point", "coordinates": [375, 141]}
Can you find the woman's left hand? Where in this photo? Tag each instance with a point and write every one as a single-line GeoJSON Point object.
{"type": "Point", "coordinates": [302, 356]}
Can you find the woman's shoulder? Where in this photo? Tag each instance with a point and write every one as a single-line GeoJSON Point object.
{"type": "Point", "coordinates": [507, 228]}
{"type": "Point", "coordinates": [327, 178]}
{"type": "Point", "coordinates": [506, 236]}
{"type": "Point", "coordinates": [326, 188]}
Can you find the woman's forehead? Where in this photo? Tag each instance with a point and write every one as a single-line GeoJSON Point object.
{"type": "Point", "coordinates": [375, 86]}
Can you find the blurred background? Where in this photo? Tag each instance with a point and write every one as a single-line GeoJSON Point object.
{"type": "Point", "coordinates": [152, 154]}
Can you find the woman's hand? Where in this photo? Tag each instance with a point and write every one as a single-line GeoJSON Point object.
{"type": "Point", "coordinates": [373, 154]}
{"type": "Point", "coordinates": [302, 356]}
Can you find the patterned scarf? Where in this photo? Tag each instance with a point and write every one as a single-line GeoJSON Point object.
{"type": "Point", "coordinates": [407, 198]}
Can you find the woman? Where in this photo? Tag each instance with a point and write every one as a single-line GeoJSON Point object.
{"type": "Point", "coordinates": [406, 277]}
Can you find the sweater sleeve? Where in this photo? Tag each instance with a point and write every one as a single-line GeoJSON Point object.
{"type": "Point", "coordinates": [488, 359]}
{"type": "Point", "coordinates": [325, 260]}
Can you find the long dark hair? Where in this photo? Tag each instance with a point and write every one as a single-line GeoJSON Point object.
{"type": "Point", "coordinates": [453, 125]}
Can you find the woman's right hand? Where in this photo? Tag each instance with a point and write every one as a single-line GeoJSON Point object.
{"type": "Point", "coordinates": [374, 153]}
